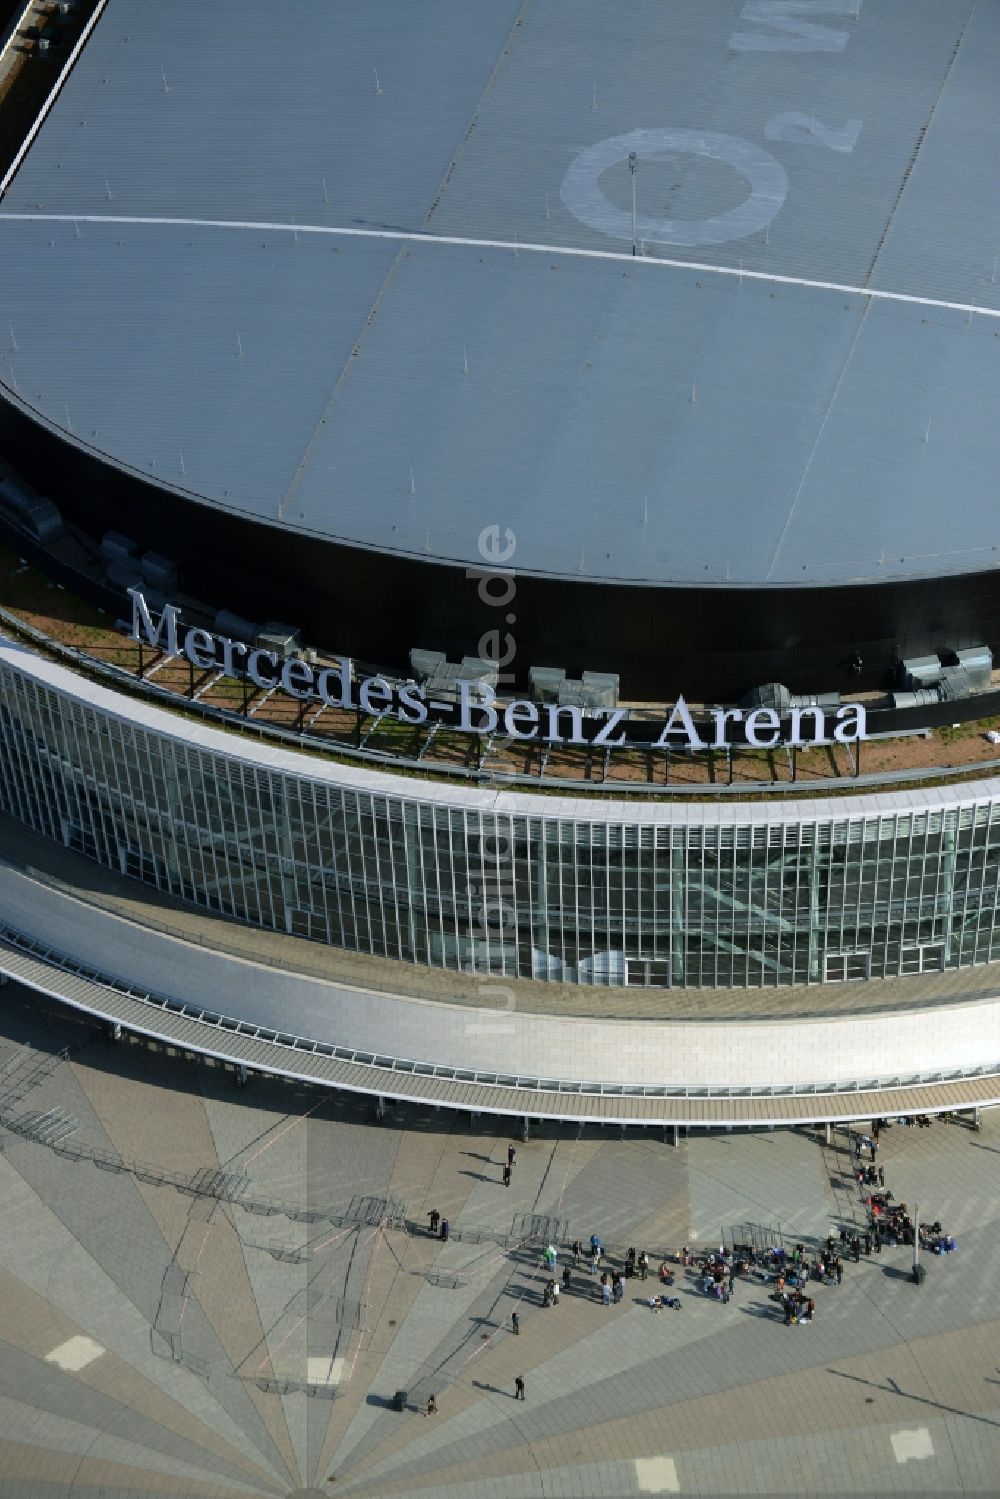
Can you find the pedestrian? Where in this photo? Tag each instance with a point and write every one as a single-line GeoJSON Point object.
{"type": "Point", "coordinates": [881, 1176]}
{"type": "Point", "coordinates": [619, 1290]}
{"type": "Point", "coordinates": [511, 1155]}
{"type": "Point", "coordinates": [515, 1324]}
{"type": "Point", "coordinates": [555, 1293]}
{"type": "Point", "coordinates": [547, 1293]}
{"type": "Point", "coordinates": [840, 1270]}
{"type": "Point", "coordinates": [857, 1148]}
{"type": "Point", "coordinates": [856, 1249]}
{"type": "Point", "coordinates": [435, 1218]}
{"type": "Point", "coordinates": [577, 1251]}
{"type": "Point", "coordinates": [878, 1240]}
{"type": "Point", "coordinates": [566, 1275]}
{"type": "Point", "coordinates": [868, 1241]}
{"type": "Point", "coordinates": [732, 1279]}
{"type": "Point", "coordinates": [506, 1176]}
{"type": "Point", "coordinates": [787, 1303]}
{"type": "Point", "coordinates": [432, 1406]}
{"type": "Point", "coordinates": [519, 1387]}
{"type": "Point", "coordinates": [595, 1244]}
{"type": "Point", "coordinates": [595, 1263]}
{"type": "Point", "coordinates": [605, 1293]}
{"type": "Point", "coordinates": [643, 1265]}
{"type": "Point", "coordinates": [445, 1230]}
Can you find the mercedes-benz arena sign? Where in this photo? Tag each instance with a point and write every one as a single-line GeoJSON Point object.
{"type": "Point", "coordinates": [479, 713]}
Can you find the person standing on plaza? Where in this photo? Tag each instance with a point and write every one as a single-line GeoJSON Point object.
{"type": "Point", "coordinates": [566, 1278]}
{"type": "Point", "coordinates": [839, 1267]}
{"type": "Point", "coordinates": [605, 1291]}
{"type": "Point", "coordinates": [515, 1324]}
{"type": "Point", "coordinates": [595, 1263]}
{"type": "Point", "coordinates": [555, 1293]}
{"type": "Point", "coordinates": [506, 1176]}
{"type": "Point", "coordinates": [511, 1155]}
{"type": "Point", "coordinates": [519, 1387]}
{"type": "Point", "coordinates": [577, 1251]}
{"type": "Point", "coordinates": [445, 1230]}
{"type": "Point", "coordinates": [435, 1218]}
{"type": "Point", "coordinates": [643, 1263]}
{"type": "Point", "coordinates": [881, 1176]}
{"type": "Point", "coordinates": [432, 1405]}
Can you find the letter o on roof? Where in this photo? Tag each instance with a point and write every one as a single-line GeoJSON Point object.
{"type": "Point", "coordinates": [582, 194]}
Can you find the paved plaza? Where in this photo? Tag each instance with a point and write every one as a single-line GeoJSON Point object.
{"type": "Point", "coordinates": [208, 1291]}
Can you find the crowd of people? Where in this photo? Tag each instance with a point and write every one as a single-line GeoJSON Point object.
{"type": "Point", "coordinates": [790, 1274]}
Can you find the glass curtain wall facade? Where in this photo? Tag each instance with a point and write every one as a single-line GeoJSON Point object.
{"type": "Point", "coordinates": [545, 895]}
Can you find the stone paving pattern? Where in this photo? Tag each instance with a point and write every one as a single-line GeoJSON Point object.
{"type": "Point", "coordinates": [155, 1342]}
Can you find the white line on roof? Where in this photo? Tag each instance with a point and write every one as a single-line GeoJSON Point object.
{"type": "Point", "coordinates": [518, 246]}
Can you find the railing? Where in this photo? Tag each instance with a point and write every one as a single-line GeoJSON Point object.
{"type": "Point", "coordinates": [124, 680]}
{"type": "Point", "coordinates": [378, 1062]}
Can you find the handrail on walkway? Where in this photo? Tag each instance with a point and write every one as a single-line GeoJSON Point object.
{"type": "Point", "coordinates": [125, 680]}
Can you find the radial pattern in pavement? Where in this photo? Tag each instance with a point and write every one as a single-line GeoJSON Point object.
{"type": "Point", "coordinates": [207, 1291]}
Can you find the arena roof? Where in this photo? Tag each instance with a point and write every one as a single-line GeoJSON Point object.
{"type": "Point", "coordinates": [365, 270]}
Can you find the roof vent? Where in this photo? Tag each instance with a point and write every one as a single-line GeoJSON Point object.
{"type": "Point", "coordinates": [237, 628]}
{"type": "Point", "coordinates": [159, 571]}
{"type": "Point", "coordinates": [283, 640]}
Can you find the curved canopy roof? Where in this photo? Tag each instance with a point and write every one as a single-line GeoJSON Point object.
{"type": "Point", "coordinates": [366, 270]}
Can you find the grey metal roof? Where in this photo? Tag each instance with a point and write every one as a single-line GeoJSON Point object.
{"type": "Point", "coordinates": [642, 421]}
